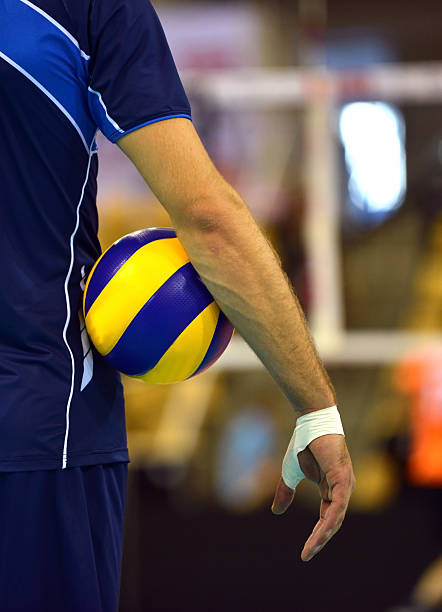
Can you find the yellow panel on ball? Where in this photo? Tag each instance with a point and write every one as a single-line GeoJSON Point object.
{"type": "Point", "coordinates": [130, 288]}
{"type": "Point", "coordinates": [183, 358]}
{"type": "Point", "coordinates": [148, 312]}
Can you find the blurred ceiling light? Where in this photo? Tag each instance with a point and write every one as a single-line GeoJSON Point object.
{"type": "Point", "coordinates": [373, 135]}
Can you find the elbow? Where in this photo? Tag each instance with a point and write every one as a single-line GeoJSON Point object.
{"type": "Point", "coordinates": [211, 215]}
{"type": "Point", "coordinates": [210, 228]}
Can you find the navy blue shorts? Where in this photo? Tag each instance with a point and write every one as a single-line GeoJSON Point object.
{"type": "Point", "coordinates": [61, 539]}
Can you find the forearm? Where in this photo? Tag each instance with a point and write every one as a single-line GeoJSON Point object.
{"type": "Point", "coordinates": [243, 273]}
{"type": "Point", "coordinates": [232, 257]}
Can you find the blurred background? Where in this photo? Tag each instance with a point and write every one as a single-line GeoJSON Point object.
{"type": "Point", "coordinates": [326, 115]}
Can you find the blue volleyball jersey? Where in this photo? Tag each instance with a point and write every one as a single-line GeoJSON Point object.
{"type": "Point", "coordinates": [67, 68]}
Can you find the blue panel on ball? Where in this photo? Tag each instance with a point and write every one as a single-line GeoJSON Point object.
{"type": "Point", "coordinates": [159, 323]}
{"type": "Point", "coordinates": [220, 340]}
{"type": "Point", "coordinates": [117, 255]}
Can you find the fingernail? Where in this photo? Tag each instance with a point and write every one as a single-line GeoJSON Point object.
{"type": "Point", "coordinates": [314, 552]}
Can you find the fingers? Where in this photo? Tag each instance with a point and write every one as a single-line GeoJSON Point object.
{"type": "Point", "coordinates": [283, 498]}
{"type": "Point", "coordinates": [336, 487]}
{"type": "Point", "coordinates": [327, 462]}
{"type": "Point", "coordinates": [331, 518]}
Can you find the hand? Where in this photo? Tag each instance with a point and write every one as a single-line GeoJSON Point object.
{"type": "Point", "coordinates": [327, 462]}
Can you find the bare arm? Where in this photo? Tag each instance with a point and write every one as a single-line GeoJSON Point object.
{"type": "Point", "coordinates": [232, 257]}
{"type": "Point", "coordinates": [244, 275]}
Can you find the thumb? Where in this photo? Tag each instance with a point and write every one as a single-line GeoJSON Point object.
{"type": "Point", "coordinates": [283, 497]}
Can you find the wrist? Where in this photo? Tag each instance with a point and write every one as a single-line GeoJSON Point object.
{"type": "Point", "coordinates": [318, 423]}
{"type": "Point", "coordinates": [323, 405]}
{"type": "Point", "coordinates": [309, 427]}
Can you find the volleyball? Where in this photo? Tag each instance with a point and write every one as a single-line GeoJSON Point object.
{"type": "Point", "coordinates": [149, 314]}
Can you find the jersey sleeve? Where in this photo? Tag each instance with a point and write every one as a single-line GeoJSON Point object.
{"type": "Point", "coordinates": [133, 77]}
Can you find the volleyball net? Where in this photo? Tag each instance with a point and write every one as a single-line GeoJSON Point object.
{"type": "Point", "coordinates": [319, 95]}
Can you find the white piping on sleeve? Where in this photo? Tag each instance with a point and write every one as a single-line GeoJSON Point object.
{"type": "Point", "coordinates": [109, 118]}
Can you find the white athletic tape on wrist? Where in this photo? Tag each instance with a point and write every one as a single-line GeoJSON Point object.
{"type": "Point", "coordinates": [308, 427]}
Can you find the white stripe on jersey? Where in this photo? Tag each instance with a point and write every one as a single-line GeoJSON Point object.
{"type": "Point", "coordinates": [68, 313]}
{"type": "Point", "coordinates": [49, 95]}
{"type": "Point", "coordinates": [57, 25]}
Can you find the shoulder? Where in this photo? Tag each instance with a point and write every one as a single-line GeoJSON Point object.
{"type": "Point", "coordinates": [70, 16]}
